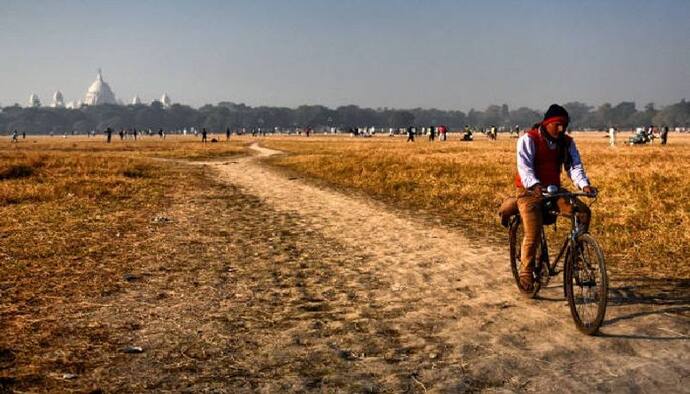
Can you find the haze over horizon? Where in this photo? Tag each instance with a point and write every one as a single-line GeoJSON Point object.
{"type": "Point", "coordinates": [398, 54]}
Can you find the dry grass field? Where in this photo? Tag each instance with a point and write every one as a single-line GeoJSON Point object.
{"type": "Point", "coordinates": [74, 214]}
{"type": "Point", "coordinates": [642, 217]}
{"type": "Point", "coordinates": [180, 266]}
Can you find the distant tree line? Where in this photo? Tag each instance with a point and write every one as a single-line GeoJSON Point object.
{"type": "Point", "coordinates": [225, 114]}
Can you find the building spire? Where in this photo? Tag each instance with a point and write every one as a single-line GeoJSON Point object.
{"type": "Point", "coordinates": [99, 76]}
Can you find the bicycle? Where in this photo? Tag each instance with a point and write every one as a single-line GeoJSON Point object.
{"type": "Point", "coordinates": [585, 282]}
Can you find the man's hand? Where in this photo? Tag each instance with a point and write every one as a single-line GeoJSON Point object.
{"type": "Point", "coordinates": [590, 190]}
{"type": "Point", "coordinates": [536, 190]}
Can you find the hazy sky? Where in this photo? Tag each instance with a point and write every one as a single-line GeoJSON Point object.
{"type": "Point", "coordinates": [444, 54]}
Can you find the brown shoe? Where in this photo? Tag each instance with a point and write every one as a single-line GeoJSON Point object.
{"type": "Point", "coordinates": [526, 281]}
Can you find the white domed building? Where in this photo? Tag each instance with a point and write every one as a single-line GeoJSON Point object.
{"type": "Point", "coordinates": [73, 104]}
{"type": "Point", "coordinates": [58, 100]}
{"type": "Point", "coordinates": [99, 92]}
{"type": "Point", "coordinates": [34, 101]}
{"type": "Point", "coordinates": [165, 100]}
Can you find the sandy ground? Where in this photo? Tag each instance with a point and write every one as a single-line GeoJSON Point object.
{"type": "Point", "coordinates": [453, 303]}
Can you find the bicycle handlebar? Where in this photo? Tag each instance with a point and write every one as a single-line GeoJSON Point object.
{"type": "Point", "coordinates": [569, 194]}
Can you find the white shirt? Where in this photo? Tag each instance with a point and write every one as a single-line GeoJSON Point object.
{"type": "Point", "coordinates": [526, 153]}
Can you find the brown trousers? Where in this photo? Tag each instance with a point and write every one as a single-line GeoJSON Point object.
{"type": "Point", "coordinates": [530, 209]}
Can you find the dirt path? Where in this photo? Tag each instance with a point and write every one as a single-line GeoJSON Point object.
{"type": "Point", "coordinates": [450, 305]}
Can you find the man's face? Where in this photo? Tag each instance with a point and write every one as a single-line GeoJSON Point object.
{"type": "Point", "coordinates": [555, 128]}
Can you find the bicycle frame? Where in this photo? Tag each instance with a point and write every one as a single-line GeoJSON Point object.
{"type": "Point", "coordinates": [569, 241]}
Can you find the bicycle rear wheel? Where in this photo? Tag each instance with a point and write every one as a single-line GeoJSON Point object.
{"type": "Point", "coordinates": [515, 235]}
{"type": "Point", "coordinates": [586, 284]}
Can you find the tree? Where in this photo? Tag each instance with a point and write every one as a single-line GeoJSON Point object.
{"type": "Point", "coordinates": [676, 115]}
{"type": "Point", "coordinates": [580, 114]}
{"type": "Point", "coordinates": [400, 119]}
{"type": "Point", "coordinates": [524, 117]}
{"type": "Point", "coordinates": [621, 115]}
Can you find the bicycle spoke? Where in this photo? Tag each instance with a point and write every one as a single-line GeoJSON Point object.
{"type": "Point", "coordinates": [587, 285]}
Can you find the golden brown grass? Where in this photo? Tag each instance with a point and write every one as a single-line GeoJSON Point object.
{"type": "Point", "coordinates": [73, 213]}
{"type": "Point", "coordinates": [47, 169]}
{"type": "Point", "coordinates": [62, 200]}
{"type": "Point", "coordinates": [231, 294]}
{"type": "Point", "coordinates": [642, 217]}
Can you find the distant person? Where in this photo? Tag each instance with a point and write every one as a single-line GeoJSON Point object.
{"type": "Point", "coordinates": [432, 134]}
{"type": "Point", "coordinates": [160, 134]}
{"type": "Point", "coordinates": [122, 134]}
{"type": "Point", "coordinates": [493, 133]}
{"type": "Point", "coordinates": [23, 135]}
{"type": "Point", "coordinates": [15, 134]}
{"type": "Point", "coordinates": [307, 131]}
{"type": "Point", "coordinates": [109, 134]}
{"type": "Point", "coordinates": [515, 133]}
{"type": "Point", "coordinates": [227, 134]}
{"type": "Point", "coordinates": [204, 135]}
{"type": "Point", "coordinates": [410, 134]}
{"type": "Point", "coordinates": [467, 134]}
{"type": "Point", "coordinates": [650, 134]}
{"type": "Point", "coordinates": [442, 131]}
{"type": "Point", "coordinates": [664, 135]}
{"type": "Point", "coordinates": [612, 136]}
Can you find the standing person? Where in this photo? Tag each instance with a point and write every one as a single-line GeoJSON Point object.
{"type": "Point", "coordinates": [541, 153]}
{"type": "Point", "coordinates": [410, 134]}
{"type": "Point", "coordinates": [160, 133]}
{"type": "Point", "coordinates": [14, 136]}
{"type": "Point", "coordinates": [23, 135]}
{"type": "Point", "coordinates": [204, 134]}
{"type": "Point", "coordinates": [432, 134]}
{"type": "Point", "coordinates": [493, 133]}
{"type": "Point", "coordinates": [442, 130]}
{"type": "Point", "coordinates": [227, 134]}
{"type": "Point", "coordinates": [109, 134]}
{"type": "Point", "coordinates": [664, 135]}
{"type": "Point", "coordinates": [612, 136]}
{"type": "Point", "coordinates": [650, 134]}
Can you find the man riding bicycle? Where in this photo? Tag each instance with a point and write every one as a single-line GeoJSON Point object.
{"type": "Point", "coordinates": [541, 152]}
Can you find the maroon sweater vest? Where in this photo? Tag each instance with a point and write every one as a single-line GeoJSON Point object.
{"type": "Point", "coordinates": [547, 164]}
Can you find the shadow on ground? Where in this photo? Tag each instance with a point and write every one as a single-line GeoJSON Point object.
{"type": "Point", "coordinates": [645, 298]}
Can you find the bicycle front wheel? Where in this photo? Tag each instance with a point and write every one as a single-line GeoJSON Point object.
{"type": "Point", "coordinates": [586, 284]}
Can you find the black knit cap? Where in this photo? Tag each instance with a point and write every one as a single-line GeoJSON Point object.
{"type": "Point", "coordinates": [556, 113]}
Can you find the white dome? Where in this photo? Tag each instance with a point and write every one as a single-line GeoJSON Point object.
{"type": "Point", "coordinates": [165, 100]}
{"type": "Point", "coordinates": [58, 101]}
{"type": "Point", "coordinates": [136, 100]}
{"type": "Point", "coordinates": [99, 92]}
{"type": "Point", "coordinates": [34, 101]}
